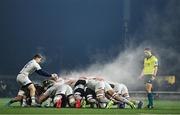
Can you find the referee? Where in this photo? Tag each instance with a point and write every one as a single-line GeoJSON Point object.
{"type": "Point", "coordinates": [149, 73]}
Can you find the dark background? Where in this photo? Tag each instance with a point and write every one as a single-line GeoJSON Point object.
{"type": "Point", "coordinates": [70, 33]}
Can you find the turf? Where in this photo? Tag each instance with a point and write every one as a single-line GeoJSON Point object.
{"type": "Point", "coordinates": [161, 107]}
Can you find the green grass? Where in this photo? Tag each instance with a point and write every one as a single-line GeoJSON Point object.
{"type": "Point", "coordinates": [161, 107]}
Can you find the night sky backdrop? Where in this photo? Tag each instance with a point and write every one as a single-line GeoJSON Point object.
{"type": "Point", "coordinates": [71, 33]}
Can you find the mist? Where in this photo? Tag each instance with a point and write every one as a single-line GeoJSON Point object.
{"type": "Point", "coordinates": [158, 32]}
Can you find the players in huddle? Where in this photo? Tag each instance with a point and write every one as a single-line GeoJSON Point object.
{"type": "Point", "coordinates": [94, 92]}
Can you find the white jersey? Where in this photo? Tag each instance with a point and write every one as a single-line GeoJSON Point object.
{"type": "Point", "coordinates": [71, 81]}
{"type": "Point", "coordinates": [120, 89]}
{"type": "Point", "coordinates": [57, 89]}
{"type": "Point", "coordinates": [60, 81]}
{"type": "Point", "coordinates": [91, 84]}
{"type": "Point", "coordinates": [95, 84]}
{"type": "Point", "coordinates": [30, 67]}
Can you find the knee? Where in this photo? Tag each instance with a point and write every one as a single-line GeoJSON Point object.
{"type": "Point", "coordinates": [110, 92]}
{"type": "Point", "coordinates": [100, 94]}
{"type": "Point", "coordinates": [32, 88]}
{"type": "Point", "coordinates": [148, 88]}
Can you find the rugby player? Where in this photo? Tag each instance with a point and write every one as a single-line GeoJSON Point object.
{"type": "Point", "coordinates": [29, 68]}
{"type": "Point", "coordinates": [122, 90]}
{"type": "Point", "coordinates": [59, 92]}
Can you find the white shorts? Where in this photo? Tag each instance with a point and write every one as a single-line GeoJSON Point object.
{"type": "Point", "coordinates": [23, 79]}
{"type": "Point", "coordinates": [121, 89]}
{"type": "Point", "coordinates": [69, 90]}
{"type": "Point", "coordinates": [64, 89]}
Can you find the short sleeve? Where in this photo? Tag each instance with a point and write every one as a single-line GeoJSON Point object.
{"type": "Point", "coordinates": [156, 62]}
{"type": "Point", "coordinates": [37, 66]}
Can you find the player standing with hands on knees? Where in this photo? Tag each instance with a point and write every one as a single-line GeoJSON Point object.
{"type": "Point", "coordinates": [149, 73]}
{"type": "Point", "coordinates": [29, 68]}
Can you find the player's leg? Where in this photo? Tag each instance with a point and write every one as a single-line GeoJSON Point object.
{"type": "Point", "coordinates": [149, 95]}
{"type": "Point", "coordinates": [71, 100]}
{"type": "Point", "coordinates": [136, 102]}
{"type": "Point", "coordinates": [79, 92]}
{"type": "Point", "coordinates": [58, 100]}
{"type": "Point", "coordinates": [90, 96]}
{"type": "Point", "coordinates": [79, 89]}
{"type": "Point", "coordinates": [42, 98]}
{"type": "Point", "coordinates": [18, 98]}
{"type": "Point", "coordinates": [48, 102]}
{"type": "Point", "coordinates": [125, 93]}
{"type": "Point", "coordinates": [39, 90]}
{"type": "Point", "coordinates": [70, 97]}
{"type": "Point", "coordinates": [114, 95]}
{"type": "Point", "coordinates": [148, 83]}
{"type": "Point", "coordinates": [48, 94]}
{"type": "Point", "coordinates": [100, 94]}
{"type": "Point", "coordinates": [32, 90]}
{"type": "Point", "coordinates": [120, 98]}
{"type": "Point", "coordinates": [60, 96]}
{"type": "Point", "coordinates": [25, 82]}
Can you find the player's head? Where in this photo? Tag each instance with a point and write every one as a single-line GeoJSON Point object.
{"type": "Point", "coordinates": [147, 52]}
{"type": "Point", "coordinates": [38, 58]}
{"type": "Point", "coordinates": [112, 85]}
{"type": "Point", "coordinates": [47, 83]}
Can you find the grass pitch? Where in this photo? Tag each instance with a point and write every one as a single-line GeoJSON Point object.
{"type": "Point", "coordinates": [161, 107]}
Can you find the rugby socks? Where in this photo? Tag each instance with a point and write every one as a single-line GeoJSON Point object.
{"type": "Point", "coordinates": [150, 99]}
{"type": "Point", "coordinates": [24, 103]}
{"type": "Point", "coordinates": [128, 102]}
{"type": "Point", "coordinates": [124, 100]}
{"type": "Point", "coordinates": [83, 103]}
{"type": "Point", "coordinates": [78, 103]}
{"type": "Point", "coordinates": [33, 99]}
{"type": "Point", "coordinates": [58, 103]}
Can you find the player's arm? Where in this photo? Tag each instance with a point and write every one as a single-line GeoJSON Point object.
{"type": "Point", "coordinates": [40, 71]}
{"type": "Point", "coordinates": [43, 73]}
{"type": "Point", "coordinates": [46, 74]}
{"type": "Point", "coordinates": [155, 71]}
{"type": "Point", "coordinates": [141, 75]}
{"type": "Point", "coordinates": [45, 95]}
{"type": "Point", "coordinates": [155, 68]}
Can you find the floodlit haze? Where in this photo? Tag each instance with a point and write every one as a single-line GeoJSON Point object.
{"type": "Point", "coordinates": [87, 36]}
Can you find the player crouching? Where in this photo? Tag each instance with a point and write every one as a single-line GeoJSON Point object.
{"type": "Point", "coordinates": [31, 67]}
{"type": "Point", "coordinates": [61, 95]}
{"type": "Point", "coordinates": [122, 90]}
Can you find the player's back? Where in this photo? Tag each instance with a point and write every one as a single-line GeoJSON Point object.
{"type": "Point", "coordinates": [63, 89]}
{"type": "Point", "coordinates": [30, 67]}
{"type": "Point", "coordinates": [120, 88]}
{"type": "Point", "coordinates": [91, 83]}
{"type": "Point", "coordinates": [51, 90]}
